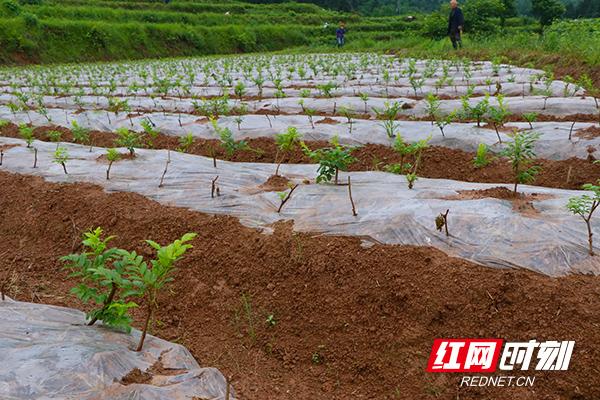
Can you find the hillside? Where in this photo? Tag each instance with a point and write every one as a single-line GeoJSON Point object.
{"type": "Point", "coordinates": [53, 31]}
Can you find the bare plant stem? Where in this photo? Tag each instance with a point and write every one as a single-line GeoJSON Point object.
{"type": "Point", "coordinates": [571, 130]}
{"type": "Point", "coordinates": [162, 178]}
{"type": "Point", "coordinates": [278, 163]}
{"type": "Point", "coordinates": [146, 323]}
{"type": "Point", "coordinates": [351, 200]}
{"type": "Point", "coordinates": [446, 221]}
{"type": "Point", "coordinates": [286, 198]}
{"type": "Point", "coordinates": [110, 163]}
{"type": "Point", "coordinates": [213, 187]}
{"type": "Point", "coordinates": [64, 168]}
{"type": "Point", "coordinates": [107, 303]}
{"type": "Point", "coordinates": [35, 157]}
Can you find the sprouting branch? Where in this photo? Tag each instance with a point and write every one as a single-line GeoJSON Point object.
{"type": "Point", "coordinates": [286, 198]}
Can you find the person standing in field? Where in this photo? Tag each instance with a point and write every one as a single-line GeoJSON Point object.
{"type": "Point", "coordinates": [340, 35]}
{"type": "Point", "coordinates": [456, 22]}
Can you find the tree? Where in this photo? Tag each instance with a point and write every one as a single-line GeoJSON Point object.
{"type": "Point", "coordinates": [479, 12]}
{"type": "Point", "coordinates": [521, 153]}
{"type": "Point", "coordinates": [584, 206]}
{"type": "Point", "coordinates": [547, 11]}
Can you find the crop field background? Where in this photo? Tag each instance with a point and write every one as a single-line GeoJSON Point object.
{"type": "Point", "coordinates": [350, 205]}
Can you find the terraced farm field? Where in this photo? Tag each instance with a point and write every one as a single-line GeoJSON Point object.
{"type": "Point", "coordinates": [339, 168]}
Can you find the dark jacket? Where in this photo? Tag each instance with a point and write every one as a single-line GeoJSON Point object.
{"type": "Point", "coordinates": [456, 19]}
{"type": "Point", "coordinates": [340, 32]}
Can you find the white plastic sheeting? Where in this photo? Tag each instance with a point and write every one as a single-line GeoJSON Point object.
{"type": "Point", "coordinates": [488, 231]}
{"type": "Point", "coordinates": [553, 144]}
{"type": "Point", "coordinates": [48, 352]}
{"type": "Point", "coordinates": [554, 106]}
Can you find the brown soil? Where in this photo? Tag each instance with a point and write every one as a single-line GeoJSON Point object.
{"type": "Point", "coordinates": [328, 121]}
{"type": "Point", "coordinates": [122, 157]}
{"type": "Point", "coordinates": [522, 203]}
{"type": "Point", "coordinates": [437, 162]}
{"type": "Point", "coordinates": [136, 376]}
{"type": "Point", "coordinates": [588, 133]}
{"type": "Point", "coordinates": [367, 316]}
{"type": "Point", "coordinates": [500, 192]}
{"type": "Point", "coordinates": [275, 183]}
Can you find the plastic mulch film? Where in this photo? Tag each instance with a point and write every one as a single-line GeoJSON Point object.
{"type": "Point", "coordinates": [544, 237]}
{"type": "Point", "coordinates": [553, 144]}
{"type": "Point", "coordinates": [48, 352]}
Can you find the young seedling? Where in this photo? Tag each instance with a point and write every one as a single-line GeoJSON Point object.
{"type": "Point", "coordinates": [349, 114]}
{"type": "Point", "coordinates": [185, 143]}
{"type": "Point", "coordinates": [584, 206]}
{"type": "Point", "coordinates": [411, 178]}
{"type": "Point", "coordinates": [26, 133]}
{"type": "Point", "coordinates": [433, 107]}
{"type": "Point", "coordinates": [238, 120]}
{"type": "Point", "coordinates": [310, 113]}
{"type": "Point", "coordinates": [443, 122]}
{"type": "Point", "coordinates": [404, 150]}
{"type": "Point", "coordinates": [150, 131]}
{"type": "Point", "coordinates": [476, 111]}
{"type": "Point", "coordinates": [128, 139]}
{"type": "Point", "coordinates": [521, 153]}
{"type": "Point", "coordinates": [80, 134]}
{"type": "Point", "coordinates": [530, 118]}
{"type": "Point", "coordinates": [588, 84]}
{"type": "Point", "coordinates": [389, 115]}
{"type": "Point", "coordinates": [327, 89]}
{"type": "Point", "coordinates": [441, 221]}
{"type": "Point", "coordinates": [239, 89]}
{"type": "Point", "coordinates": [112, 155]}
{"type": "Point", "coordinates": [101, 273]}
{"type": "Point", "coordinates": [365, 99]}
{"type": "Point", "coordinates": [55, 136]}
{"type": "Point", "coordinates": [60, 157]}
{"type": "Point", "coordinates": [498, 115]}
{"type": "Point", "coordinates": [227, 142]}
{"type": "Point", "coordinates": [331, 160]}
{"type": "Point", "coordinates": [286, 142]}
{"type": "Point", "coordinates": [285, 196]}
{"type": "Point", "coordinates": [149, 280]}
{"type": "Point", "coordinates": [481, 158]}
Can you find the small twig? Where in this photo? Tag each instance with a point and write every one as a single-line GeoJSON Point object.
{"type": "Point", "coordinates": [214, 188]}
{"type": "Point", "coordinates": [351, 200]}
{"type": "Point", "coordinates": [569, 173]}
{"type": "Point", "coordinates": [35, 157]}
{"type": "Point", "coordinates": [228, 387]}
{"type": "Point", "coordinates": [1, 156]}
{"type": "Point", "coordinates": [269, 119]}
{"type": "Point", "coordinates": [441, 221]}
{"type": "Point", "coordinates": [571, 130]}
{"type": "Point", "coordinates": [162, 178]}
{"type": "Point", "coordinates": [286, 198]}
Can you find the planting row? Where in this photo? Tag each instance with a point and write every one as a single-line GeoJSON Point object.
{"type": "Point", "coordinates": [537, 228]}
{"type": "Point", "coordinates": [558, 140]}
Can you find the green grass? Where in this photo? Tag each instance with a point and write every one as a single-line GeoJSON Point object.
{"type": "Point", "coordinates": [59, 31]}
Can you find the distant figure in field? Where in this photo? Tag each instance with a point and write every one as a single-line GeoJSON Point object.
{"type": "Point", "coordinates": [340, 35]}
{"type": "Point", "coordinates": [455, 24]}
